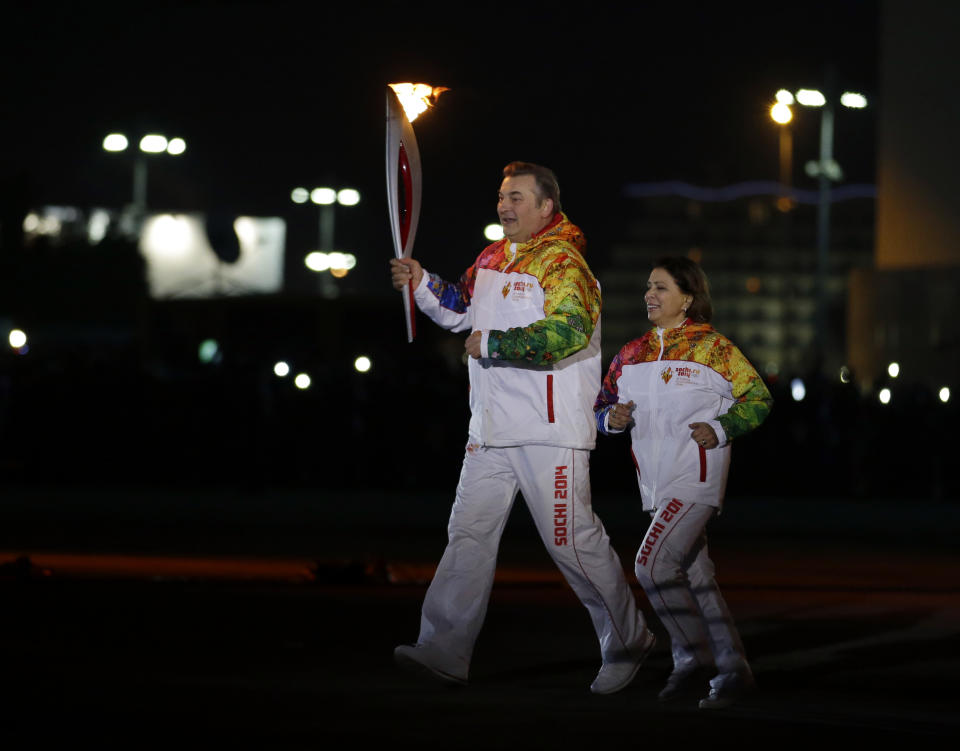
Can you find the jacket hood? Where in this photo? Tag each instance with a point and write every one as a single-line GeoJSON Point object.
{"type": "Point", "coordinates": [561, 229]}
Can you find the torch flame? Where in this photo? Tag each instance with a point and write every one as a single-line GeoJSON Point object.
{"type": "Point", "coordinates": [416, 98]}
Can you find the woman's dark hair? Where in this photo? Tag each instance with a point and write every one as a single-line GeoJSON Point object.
{"type": "Point", "coordinates": [692, 281]}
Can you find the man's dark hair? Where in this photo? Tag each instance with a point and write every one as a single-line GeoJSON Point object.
{"type": "Point", "coordinates": [692, 281]}
{"type": "Point", "coordinates": [547, 186]}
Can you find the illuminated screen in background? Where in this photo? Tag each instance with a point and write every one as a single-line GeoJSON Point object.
{"type": "Point", "coordinates": [182, 263]}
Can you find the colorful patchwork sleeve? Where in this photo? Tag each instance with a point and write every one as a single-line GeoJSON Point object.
{"type": "Point", "coordinates": [454, 296]}
{"type": "Point", "coordinates": [609, 393]}
{"type": "Point", "coordinates": [447, 303]}
{"type": "Point", "coordinates": [753, 401]}
{"type": "Point", "coordinates": [571, 308]}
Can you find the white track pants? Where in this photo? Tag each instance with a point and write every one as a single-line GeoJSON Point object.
{"type": "Point", "coordinates": [676, 573]}
{"type": "Point", "coordinates": [555, 483]}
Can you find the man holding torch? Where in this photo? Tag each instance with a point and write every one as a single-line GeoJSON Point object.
{"type": "Point", "coordinates": [532, 306]}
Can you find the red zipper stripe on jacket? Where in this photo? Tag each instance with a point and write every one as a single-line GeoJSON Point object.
{"type": "Point", "coordinates": [549, 397]}
{"type": "Point", "coordinates": [703, 464]}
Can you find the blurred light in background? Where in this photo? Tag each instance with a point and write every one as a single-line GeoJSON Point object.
{"type": "Point", "coordinates": [176, 146]}
{"type": "Point", "coordinates": [281, 369]}
{"type": "Point", "coordinates": [844, 374]}
{"type": "Point", "coordinates": [784, 97]}
{"type": "Point", "coordinates": [327, 196]}
{"type": "Point", "coordinates": [944, 394]}
{"type": "Point", "coordinates": [811, 98]}
{"type": "Point", "coordinates": [98, 225]}
{"type": "Point", "coordinates": [853, 100]}
{"type": "Point", "coordinates": [781, 113]}
{"type": "Point", "coordinates": [798, 390]}
{"type": "Point", "coordinates": [323, 196]}
{"type": "Point", "coordinates": [17, 338]}
{"type": "Point", "coordinates": [115, 142]}
{"type": "Point", "coordinates": [246, 230]}
{"type": "Point", "coordinates": [362, 364]}
{"type": "Point", "coordinates": [182, 263]}
{"type": "Point", "coordinates": [336, 263]}
{"type": "Point", "coordinates": [317, 261]}
{"type": "Point", "coordinates": [348, 197]}
{"type": "Point", "coordinates": [884, 396]}
{"type": "Point", "coordinates": [493, 232]}
{"type": "Point", "coordinates": [209, 351]}
{"type": "Point", "coordinates": [171, 236]}
{"type": "Point", "coordinates": [302, 381]}
{"type": "Point", "coordinates": [153, 144]}
{"type": "Point", "coordinates": [50, 220]}
{"type": "Point", "coordinates": [893, 369]}
{"type": "Point", "coordinates": [342, 260]}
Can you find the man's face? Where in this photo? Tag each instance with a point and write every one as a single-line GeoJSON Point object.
{"type": "Point", "coordinates": [521, 213]}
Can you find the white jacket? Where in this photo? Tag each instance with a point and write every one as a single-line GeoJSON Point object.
{"type": "Point", "coordinates": [538, 306]}
{"type": "Point", "coordinates": [677, 377]}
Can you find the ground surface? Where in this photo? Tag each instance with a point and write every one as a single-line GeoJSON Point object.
{"type": "Point", "coordinates": [138, 619]}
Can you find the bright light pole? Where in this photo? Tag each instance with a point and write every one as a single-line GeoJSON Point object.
{"type": "Point", "coordinates": [826, 170]}
{"type": "Point", "coordinates": [152, 143]}
{"type": "Point", "coordinates": [326, 199]}
{"type": "Point", "coordinates": [781, 114]}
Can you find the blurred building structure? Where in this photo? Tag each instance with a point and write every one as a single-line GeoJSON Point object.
{"type": "Point", "coordinates": [761, 261]}
{"type": "Point", "coordinates": [906, 308]}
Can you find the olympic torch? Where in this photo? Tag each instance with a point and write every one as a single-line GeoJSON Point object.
{"type": "Point", "coordinates": [405, 101]}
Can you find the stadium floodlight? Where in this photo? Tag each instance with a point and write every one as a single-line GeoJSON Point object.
{"type": "Point", "coordinates": [348, 197]}
{"type": "Point", "coordinates": [784, 97]}
{"type": "Point", "coordinates": [781, 113]}
{"type": "Point", "coordinates": [153, 143]}
{"type": "Point", "coordinates": [323, 196]}
{"type": "Point", "coordinates": [115, 142]}
{"type": "Point", "coordinates": [176, 146]}
{"type": "Point", "coordinates": [811, 98]}
{"type": "Point", "coordinates": [853, 100]}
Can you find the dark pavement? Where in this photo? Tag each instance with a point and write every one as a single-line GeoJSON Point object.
{"type": "Point", "coordinates": [140, 619]}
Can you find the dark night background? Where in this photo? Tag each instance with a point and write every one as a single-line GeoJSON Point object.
{"type": "Point", "coordinates": [200, 554]}
{"type": "Point", "coordinates": [273, 96]}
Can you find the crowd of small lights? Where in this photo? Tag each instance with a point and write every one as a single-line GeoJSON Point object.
{"type": "Point", "coordinates": [209, 352]}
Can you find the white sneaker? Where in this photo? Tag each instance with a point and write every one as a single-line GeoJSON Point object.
{"type": "Point", "coordinates": [421, 659]}
{"type": "Point", "coordinates": [616, 676]}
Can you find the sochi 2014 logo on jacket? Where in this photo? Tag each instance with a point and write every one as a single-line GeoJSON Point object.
{"type": "Point", "coordinates": [518, 290]}
{"type": "Point", "coordinates": [685, 374]}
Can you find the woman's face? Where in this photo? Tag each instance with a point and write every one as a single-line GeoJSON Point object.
{"type": "Point", "coordinates": [666, 304]}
